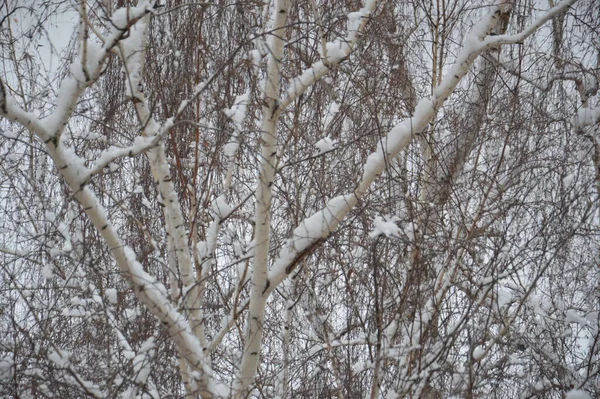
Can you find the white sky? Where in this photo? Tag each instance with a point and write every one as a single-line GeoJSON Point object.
{"type": "Point", "coordinates": [59, 22]}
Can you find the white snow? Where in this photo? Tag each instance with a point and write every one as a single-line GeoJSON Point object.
{"type": "Point", "coordinates": [373, 165]}
{"type": "Point", "coordinates": [146, 202]}
{"type": "Point", "coordinates": [573, 317]}
{"type": "Point", "coordinates": [354, 20]}
{"type": "Point", "coordinates": [332, 110]}
{"type": "Point", "coordinates": [385, 225]}
{"type": "Point", "coordinates": [222, 390]}
{"type": "Point", "coordinates": [478, 353]}
{"type": "Point", "coordinates": [409, 231]}
{"type": "Point", "coordinates": [325, 145]}
{"type": "Point", "coordinates": [238, 250]}
{"type": "Point", "coordinates": [142, 363]}
{"type": "Point", "coordinates": [587, 117]}
{"type": "Point", "coordinates": [50, 216]}
{"type": "Point", "coordinates": [6, 368]}
{"type": "Point", "coordinates": [504, 297]}
{"type": "Point", "coordinates": [578, 394]}
{"type": "Point", "coordinates": [334, 51]}
{"type": "Point", "coordinates": [94, 56]}
{"type": "Point", "coordinates": [47, 272]}
{"type": "Point", "coordinates": [59, 357]}
{"type": "Point", "coordinates": [74, 312]}
{"type": "Point", "coordinates": [64, 230]}
{"type": "Point", "coordinates": [590, 85]}
{"type": "Point", "coordinates": [111, 294]}
{"type": "Point", "coordinates": [231, 148]}
{"type": "Point", "coordinates": [568, 180]}
{"type": "Point", "coordinates": [319, 224]}
{"type": "Point", "coordinates": [202, 249]}
{"type": "Point", "coordinates": [124, 15]}
{"type": "Point", "coordinates": [314, 350]}
{"type": "Point", "coordinates": [391, 330]}
{"type": "Point", "coordinates": [255, 56]}
{"type": "Point", "coordinates": [309, 231]}
{"type": "Point", "coordinates": [54, 252]}
{"type": "Point", "coordinates": [358, 367]}
{"type": "Point", "coordinates": [237, 112]}
{"type": "Point", "coordinates": [77, 301]}
{"type": "Point", "coordinates": [71, 159]}
{"type": "Point", "coordinates": [139, 145]}
{"type": "Point", "coordinates": [132, 314]}
{"type": "Point", "coordinates": [68, 89]}
{"type": "Point", "coordinates": [220, 207]}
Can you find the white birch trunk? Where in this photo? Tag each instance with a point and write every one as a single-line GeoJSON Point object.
{"type": "Point", "coordinates": [260, 283]}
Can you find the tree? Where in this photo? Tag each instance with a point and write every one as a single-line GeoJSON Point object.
{"type": "Point", "coordinates": [246, 199]}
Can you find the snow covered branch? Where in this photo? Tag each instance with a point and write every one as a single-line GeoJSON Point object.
{"type": "Point", "coordinates": [270, 116]}
{"type": "Point", "coordinates": [322, 223]}
{"type": "Point", "coordinates": [333, 54]}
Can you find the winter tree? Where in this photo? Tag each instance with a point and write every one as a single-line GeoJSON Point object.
{"type": "Point", "coordinates": [312, 199]}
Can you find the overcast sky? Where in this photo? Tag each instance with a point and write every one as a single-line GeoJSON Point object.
{"type": "Point", "coordinates": [59, 22]}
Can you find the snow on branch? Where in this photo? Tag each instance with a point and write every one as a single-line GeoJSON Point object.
{"type": "Point", "coordinates": [498, 40]}
{"type": "Point", "coordinates": [133, 51]}
{"type": "Point", "coordinates": [87, 70]}
{"type": "Point", "coordinates": [311, 230]}
{"type": "Point", "coordinates": [60, 358]}
{"type": "Point", "coordinates": [264, 193]}
{"type": "Point", "coordinates": [587, 117]}
{"type": "Point", "coordinates": [14, 113]}
{"type": "Point", "coordinates": [332, 53]}
{"type": "Point", "coordinates": [397, 139]}
{"type": "Point", "coordinates": [140, 145]}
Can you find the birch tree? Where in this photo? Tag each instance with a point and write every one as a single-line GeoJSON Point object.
{"type": "Point", "coordinates": [300, 199]}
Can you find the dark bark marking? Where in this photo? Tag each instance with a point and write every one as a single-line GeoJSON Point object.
{"type": "Point", "coordinates": [267, 286]}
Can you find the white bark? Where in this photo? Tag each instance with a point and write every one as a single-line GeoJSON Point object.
{"type": "Point", "coordinates": [133, 55]}
{"type": "Point", "coordinates": [270, 116]}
